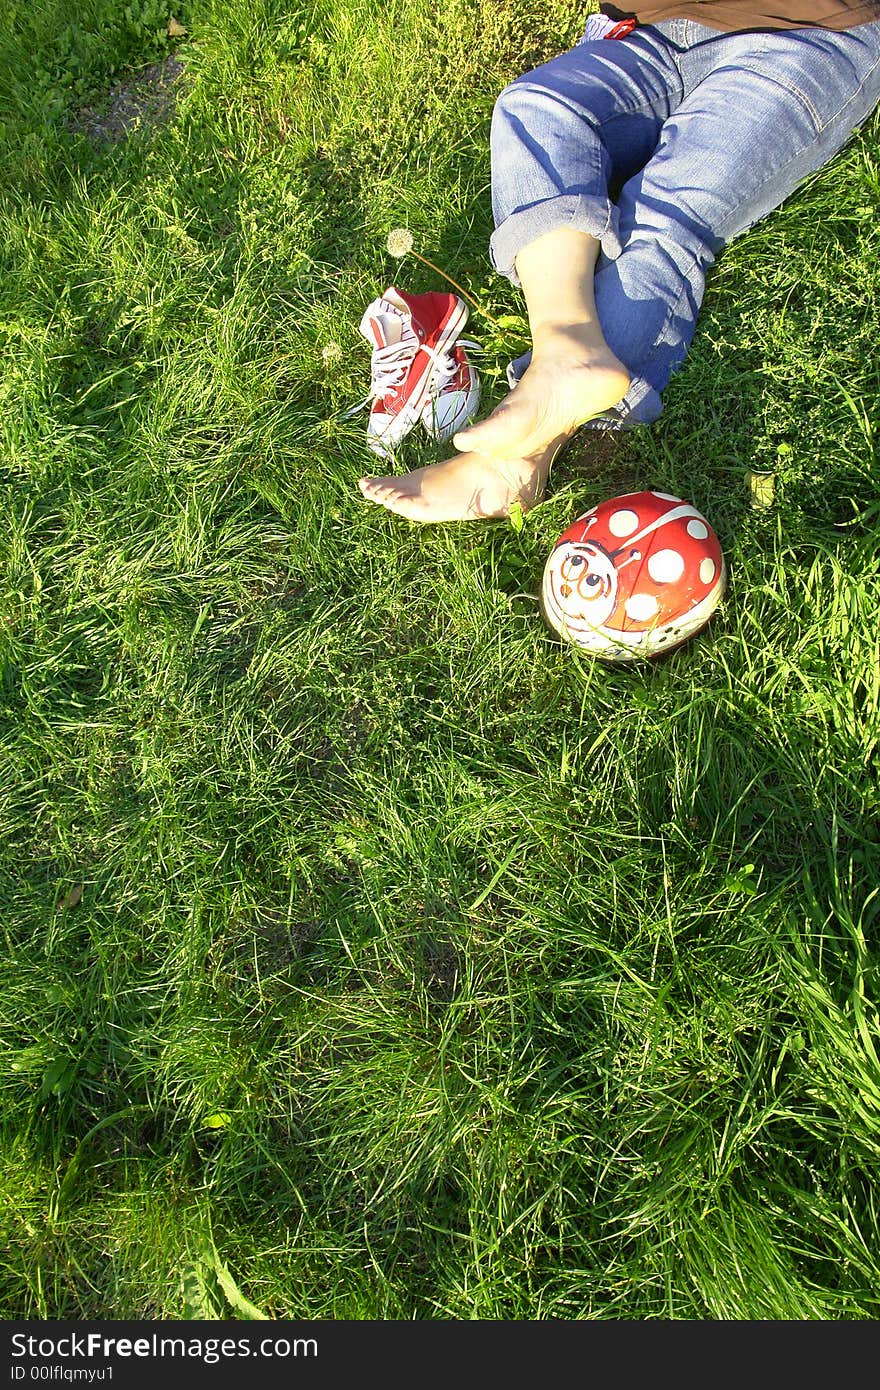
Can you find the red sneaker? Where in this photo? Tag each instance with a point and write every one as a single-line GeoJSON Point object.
{"type": "Point", "coordinates": [411, 335]}
{"type": "Point", "coordinates": [455, 396]}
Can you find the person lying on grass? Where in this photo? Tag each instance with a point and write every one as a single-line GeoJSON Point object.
{"type": "Point", "coordinates": [619, 171]}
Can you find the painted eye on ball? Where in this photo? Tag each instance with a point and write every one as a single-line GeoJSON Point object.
{"type": "Point", "coordinates": [570, 565]}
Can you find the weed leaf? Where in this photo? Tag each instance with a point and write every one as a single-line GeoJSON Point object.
{"type": "Point", "coordinates": [234, 1296]}
{"type": "Point", "coordinates": [197, 1302]}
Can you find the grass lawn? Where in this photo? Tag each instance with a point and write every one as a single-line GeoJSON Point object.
{"type": "Point", "coordinates": [367, 953]}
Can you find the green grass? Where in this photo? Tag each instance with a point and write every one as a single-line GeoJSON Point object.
{"type": "Point", "coordinates": [420, 967]}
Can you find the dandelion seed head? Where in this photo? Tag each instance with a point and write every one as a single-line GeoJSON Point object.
{"type": "Point", "coordinates": [400, 242]}
{"type": "Point", "coordinates": [330, 354]}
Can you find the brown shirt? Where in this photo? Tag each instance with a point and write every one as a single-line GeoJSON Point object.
{"type": "Point", "coordinates": [755, 14]}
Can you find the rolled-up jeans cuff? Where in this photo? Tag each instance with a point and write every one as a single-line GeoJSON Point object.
{"type": "Point", "coordinates": [583, 212]}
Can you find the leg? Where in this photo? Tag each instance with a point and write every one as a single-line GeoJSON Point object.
{"type": "Point", "coordinates": [558, 137]}
{"type": "Point", "coordinates": [809, 89]}
{"type": "Point", "coordinates": [573, 374]}
{"type": "Point", "coordinates": [703, 185]}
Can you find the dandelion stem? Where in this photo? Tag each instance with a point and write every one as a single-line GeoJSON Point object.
{"type": "Point", "coordinates": [470, 299]}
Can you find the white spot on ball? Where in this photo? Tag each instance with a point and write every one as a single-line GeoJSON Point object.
{"type": "Point", "coordinates": [623, 523]}
{"type": "Point", "coordinates": [698, 529]}
{"type": "Point", "coordinates": [665, 496]}
{"type": "Point", "coordinates": [665, 566]}
{"type": "Point", "coordinates": [641, 607]}
{"type": "Point", "coordinates": [707, 570]}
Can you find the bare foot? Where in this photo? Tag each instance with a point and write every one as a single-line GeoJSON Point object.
{"type": "Point", "coordinates": [467, 487]}
{"type": "Point", "coordinates": [559, 391]}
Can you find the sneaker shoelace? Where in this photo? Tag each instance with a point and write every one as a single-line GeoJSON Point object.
{"type": "Point", "coordinates": [389, 366]}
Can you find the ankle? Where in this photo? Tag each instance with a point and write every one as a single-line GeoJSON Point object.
{"type": "Point", "coordinates": [568, 343]}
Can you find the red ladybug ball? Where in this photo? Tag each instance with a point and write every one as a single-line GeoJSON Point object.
{"type": "Point", "coordinates": [634, 576]}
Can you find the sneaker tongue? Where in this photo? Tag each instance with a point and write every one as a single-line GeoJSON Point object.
{"type": "Point", "coordinates": [381, 325]}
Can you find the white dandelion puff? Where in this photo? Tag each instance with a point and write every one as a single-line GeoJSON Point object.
{"type": "Point", "coordinates": [400, 242]}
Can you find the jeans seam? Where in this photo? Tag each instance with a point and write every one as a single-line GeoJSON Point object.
{"type": "Point", "coordinates": [857, 93]}
{"type": "Point", "coordinates": [805, 102]}
{"type": "Point", "coordinates": [645, 105]}
{"type": "Point", "coordinates": [721, 231]}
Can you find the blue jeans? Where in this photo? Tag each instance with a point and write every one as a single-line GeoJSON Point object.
{"type": "Point", "coordinates": [666, 145]}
